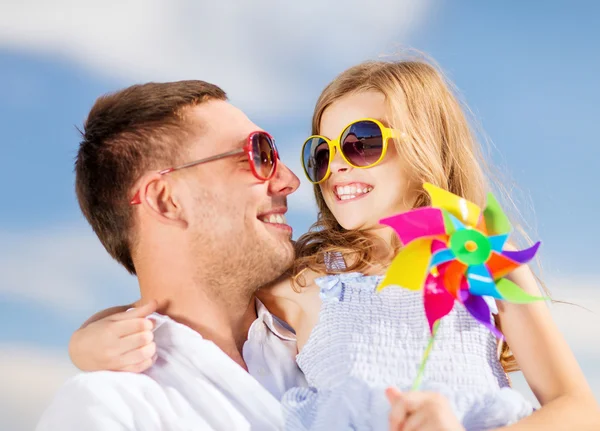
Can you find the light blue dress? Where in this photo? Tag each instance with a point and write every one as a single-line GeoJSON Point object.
{"type": "Point", "coordinates": [366, 341]}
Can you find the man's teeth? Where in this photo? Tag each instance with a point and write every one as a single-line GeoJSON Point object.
{"type": "Point", "coordinates": [350, 192]}
{"type": "Point", "coordinates": [274, 219]}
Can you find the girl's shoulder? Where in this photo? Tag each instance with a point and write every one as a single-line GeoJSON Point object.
{"type": "Point", "coordinates": [290, 298]}
{"type": "Point", "coordinates": [291, 287]}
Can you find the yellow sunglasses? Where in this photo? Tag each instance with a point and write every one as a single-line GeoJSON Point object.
{"type": "Point", "coordinates": [362, 144]}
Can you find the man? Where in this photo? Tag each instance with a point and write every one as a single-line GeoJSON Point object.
{"type": "Point", "coordinates": [188, 194]}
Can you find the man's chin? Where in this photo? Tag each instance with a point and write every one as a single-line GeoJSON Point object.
{"type": "Point", "coordinates": [281, 258]}
{"type": "Point", "coordinates": [286, 255]}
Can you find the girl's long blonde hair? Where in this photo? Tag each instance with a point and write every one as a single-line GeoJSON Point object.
{"type": "Point", "coordinates": [438, 144]}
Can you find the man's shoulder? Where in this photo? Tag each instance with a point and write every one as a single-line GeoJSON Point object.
{"type": "Point", "coordinates": [100, 399]}
{"type": "Point", "coordinates": [107, 388]}
{"type": "Point", "coordinates": [104, 380]}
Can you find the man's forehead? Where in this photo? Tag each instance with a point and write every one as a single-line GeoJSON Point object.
{"type": "Point", "coordinates": [222, 124]}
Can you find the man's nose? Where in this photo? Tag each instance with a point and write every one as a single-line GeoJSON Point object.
{"type": "Point", "coordinates": [284, 182]}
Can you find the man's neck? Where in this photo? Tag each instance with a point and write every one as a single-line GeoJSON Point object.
{"type": "Point", "coordinates": [215, 317]}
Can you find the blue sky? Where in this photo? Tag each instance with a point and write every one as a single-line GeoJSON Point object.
{"type": "Point", "coordinates": [529, 71]}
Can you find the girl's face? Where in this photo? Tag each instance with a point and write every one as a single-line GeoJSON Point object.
{"type": "Point", "coordinates": [359, 198]}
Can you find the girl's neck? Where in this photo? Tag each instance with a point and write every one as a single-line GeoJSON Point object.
{"type": "Point", "coordinates": [382, 252]}
{"type": "Point", "coordinates": [385, 241]}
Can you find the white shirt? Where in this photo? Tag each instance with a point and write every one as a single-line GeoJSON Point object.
{"type": "Point", "coordinates": [192, 386]}
{"type": "Point", "coordinates": [270, 353]}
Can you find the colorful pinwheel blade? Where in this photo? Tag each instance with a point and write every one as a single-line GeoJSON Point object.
{"type": "Point", "coordinates": [463, 293]}
{"type": "Point", "coordinates": [481, 282]}
{"type": "Point", "coordinates": [441, 256]}
{"type": "Point", "coordinates": [522, 256]}
{"type": "Point", "coordinates": [481, 227]}
{"type": "Point", "coordinates": [418, 223]}
{"type": "Point", "coordinates": [438, 302]}
{"type": "Point", "coordinates": [479, 309]}
{"type": "Point", "coordinates": [450, 229]}
{"type": "Point", "coordinates": [499, 265]}
{"type": "Point", "coordinates": [409, 267]}
{"type": "Point", "coordinates": [513, 293]}
{"type": "Point", "coordinates": [497, 242]}
{"type": "Point", "coordinates": [437, 245]}
{"type": "Point", "coordinates": [452, 276]}
{"type": "Point", "coordinates": [496, 221]}
{"type": "Point", "coordinates": [461, 208]}
{"type": "Point", "coordinates": [456, 223]}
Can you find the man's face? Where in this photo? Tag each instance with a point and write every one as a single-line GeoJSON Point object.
{"type": "Point", "coordinates": [237, 222]}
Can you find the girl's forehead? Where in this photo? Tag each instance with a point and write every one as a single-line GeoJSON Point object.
{"type": "Point", "coordinates": [368, 104]}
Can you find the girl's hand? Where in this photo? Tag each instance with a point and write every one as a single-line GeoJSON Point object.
{"type": "Point", "coordinates": [118, 342]}
{"type": "Point", "coordinates": [421, 411]}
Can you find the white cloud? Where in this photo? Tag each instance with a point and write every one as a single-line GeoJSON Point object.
{"type": "Point", "coordinates": [579, 320]}
{"type": "Point", "coordinates": [263, 52]}
{"type": "Point", "coordinates": [29, 377]}
{"type": "Point", "coordinates": [580, 326]}
{"type": "Point", "coordinates": [65, 269]}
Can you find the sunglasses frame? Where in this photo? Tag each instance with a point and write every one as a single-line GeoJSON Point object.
{"type": "Point", "coordinates": [386, 134]}
{"type": "Point", "coordinates": [247, 148]}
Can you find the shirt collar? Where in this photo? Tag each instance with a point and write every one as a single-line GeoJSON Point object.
{"type": "Point", "coordinates": [275, 325]}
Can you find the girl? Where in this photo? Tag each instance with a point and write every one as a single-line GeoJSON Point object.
{"type": "Point", "coordinates": [380, 130]}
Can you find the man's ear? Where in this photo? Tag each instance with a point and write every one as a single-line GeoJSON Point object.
{"type": "Point", "coordinates": [158, 200]}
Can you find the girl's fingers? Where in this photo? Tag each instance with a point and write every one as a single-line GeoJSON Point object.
{"type": "Point", "coordinates": [135, 341]}
{"type": "Point", "coordinates": [139, 367]}
{"type": "Point", "coordinates": [138, 355]}
{"type": "Point", "coordinates": [141, 311]}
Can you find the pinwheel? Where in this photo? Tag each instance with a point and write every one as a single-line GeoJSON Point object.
{"type": "Point", "coordinates": [454, 252]}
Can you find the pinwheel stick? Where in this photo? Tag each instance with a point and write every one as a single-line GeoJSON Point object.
{"type": "Point", "coordinates": [417, 383]}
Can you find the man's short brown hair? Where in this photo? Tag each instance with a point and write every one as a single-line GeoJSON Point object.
{"type": "Point", "coordinates": [126, 134]}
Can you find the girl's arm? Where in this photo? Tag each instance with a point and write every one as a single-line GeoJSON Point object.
{"type": "Point", "coordinates": [547, 363]}
{"type": "Point", "coordinates": [115, 339]}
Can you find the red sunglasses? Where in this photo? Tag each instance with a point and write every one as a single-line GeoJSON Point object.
{"type": "Point", "coordinates": [262, 157]}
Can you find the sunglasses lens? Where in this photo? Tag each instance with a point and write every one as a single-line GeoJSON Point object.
{"type": "Point", "coordinates": [362, 143]}
{"type": "Point", "coordinates": [315, 158]}
{"type": "Point", "coordinates": [263, 151]}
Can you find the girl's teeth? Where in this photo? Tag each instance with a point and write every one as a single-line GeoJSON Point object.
{"type": "Point", "coordinates": [350, 192]}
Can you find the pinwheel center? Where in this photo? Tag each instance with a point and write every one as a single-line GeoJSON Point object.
{"type": "Point", "coordinates": [470, 246]}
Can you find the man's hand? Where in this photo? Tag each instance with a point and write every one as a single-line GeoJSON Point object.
{"type": "Point", "coordinates": [421, 411]}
